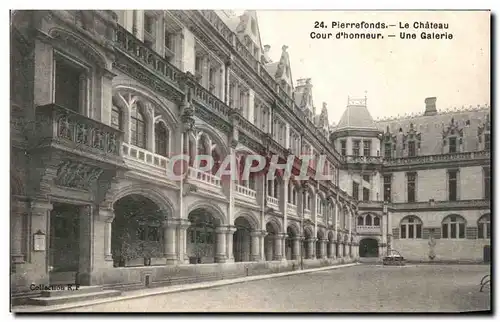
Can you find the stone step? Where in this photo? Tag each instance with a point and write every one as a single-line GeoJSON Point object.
{"type": "Point", "coordinates": [74, 297]}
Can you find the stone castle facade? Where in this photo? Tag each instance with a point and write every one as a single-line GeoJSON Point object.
{"type": "Point", "coordinates": [100, 101]}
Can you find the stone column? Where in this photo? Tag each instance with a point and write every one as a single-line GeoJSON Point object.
{"type": "Point", "coordinates": [86, 237]}
{"type": "Point", "coordinates": [229, 243]}
{"type": "Point", "coordinates": [278, 248]}
{"type": "Point", "coordinates": [323, 248]}
{"type": "Point", "coordinates": [102, 227]}
{"type": "Point", "coordinates": [255, 245]}
{"type": "Point", "coordinates": [220, 254]}
{"type": "Point", "coordinates": [341, 250]}
{"type": "Point", "coordinates": [169, 231]}
{"type": "Point", "coordinates": [310, 248]}
{"type": "Point", "coordinates": [182, 226]}
{"type": "Point", "coordinates": [332, 250]}
{"type": "Point", "coordinates": [18, 210]}
{"type": "Point", "coordinates": [262, 237]}
{"type": "Point", "coordinates": [296, 248]}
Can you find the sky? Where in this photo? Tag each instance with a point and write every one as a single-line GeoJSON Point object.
{"type": "Point", "coordinates": [395, 74]}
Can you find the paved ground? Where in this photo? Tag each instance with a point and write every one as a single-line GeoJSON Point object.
{"type": "Point", "coordinates": [363, 288]}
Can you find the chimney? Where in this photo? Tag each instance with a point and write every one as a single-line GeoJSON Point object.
{"type": "Point", "coordinates": [430, 106]}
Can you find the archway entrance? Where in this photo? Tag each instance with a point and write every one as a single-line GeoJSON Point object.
{"type": "Point", "coordinates": [242, 240]}
{"type": "Point", "coordinates": [290, 250]}
{"type": "Point", "coordinates": [201, 237]}
{"type": "Point", "coordinates": [308, 245]}
{"type": "Point", "coordinates": [330, 248]}
{"type": "Point", "coordinates": [319, 242]}
{"type": "Point", "coordinates": [137, 237]}
{"type": "Point", "coordinates": [487, 254]}
{"type": "Point", "coordinates": [368, 247]}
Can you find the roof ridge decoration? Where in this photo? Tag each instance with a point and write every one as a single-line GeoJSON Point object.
{"type": "Point", "coordinates": [451, 110]}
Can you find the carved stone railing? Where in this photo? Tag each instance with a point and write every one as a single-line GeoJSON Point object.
{"type": "Point", "coordinates": [203, 176]}
{"type": "Point", "coordinates": [250, 129]}
{"type": "Point", "coordinates": [138, 50]}
{"type": "Point", "coordinates": [218, 24]}
{"type": "Point", "coordinates": [292, 209]}
{"type": "Point", "coordinates": [371, 204]}
{"type": "Point", "coordinates": [307, 214]}
{"type": "Point", "coordinates": [368, 229]}
{"type": "Point", "coordinates": [450, 157]}
{"type": "Point", "coordinates": [75, 132]}
{"type": "Point", "coordinates": [268, 79]}
{"type": "Point", "coordinates": [210, 101]}
{"type": "Point", "coordinates": [272, 201]}
{"type": "Point", "coordinates": [144, 156]}
{"type": "Point", "coordinates": [363, 159]}
{"type": "Point", "coordinates": [245, 191]}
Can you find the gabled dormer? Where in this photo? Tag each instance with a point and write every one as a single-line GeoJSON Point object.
{"type": "Point", "coordinates": [281, 71]}
{"type": "Point", "coordinates": [389, 141]}
{"type": "Point", "coordinates": [322, 119]}
{"type": "Point", "coordinates": [248, 32]}
{"type": "Point", "coordinates": [484, 134]}
{"type": "Point", "coordinates": [452, 137]}
{"type": "Point", "coordinates": [411, 142]}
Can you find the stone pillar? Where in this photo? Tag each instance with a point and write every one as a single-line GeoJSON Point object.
{"type": "Point", "coordinates": [310, 248]}
{"type": "Point", "coordinates": [323, 248]}
{"type": "Point", "coordinates": [220, 254]}
{"type": "Point", "coordinates": [296, 248]}
{"type": "Point", "coordinates": [169, 230]}
{"type": "Point", "coordinates": [18, 210]}
{"type": "Point", "coordinates": [86, 240]}
{"type": "Point", "coordinates": [182, 226]}
{"type": "Point", "coordinates": [255, 245]}
{"type": "Point", "coordinates": [229, 243]}
{"type": "Point", "coordinates": [262, 237]}
{"type": "Point", "coordinates": [341, 250]}
{"type": "Point", "coordinates": [278, 248]}
{"type": "Point", "coordinates": [103, 257]}
{"type": "Point", "coordinates": [332, 250]}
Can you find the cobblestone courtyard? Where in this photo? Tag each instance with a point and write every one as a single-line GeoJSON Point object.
{"type": "Point", "coordinates": [363, 288]}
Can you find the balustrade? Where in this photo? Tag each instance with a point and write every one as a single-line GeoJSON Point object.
{"type": "Point", "coordinates": [203, 176]}
{"type": "Point", "coordinates": [144, 156]}
{"type": "Point", "coordinates": [245, 191]}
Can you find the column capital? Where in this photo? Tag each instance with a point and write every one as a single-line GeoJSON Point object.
{"type": "Point", "coordinates": [40, 207]}
{"type": "Point", "coordinates": [258, 233]}
{"type": "Point", "coordinates": [106, 214]}
{"type": "Point", "coordinates": [183, 223]}
{"type": "Point", "coordinates": [170, 222]}
{"type": "Point", "coordinates": [231, 229]}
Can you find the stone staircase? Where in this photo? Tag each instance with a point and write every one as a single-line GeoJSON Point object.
{"type": "Point", "coordinates": [84, 293]}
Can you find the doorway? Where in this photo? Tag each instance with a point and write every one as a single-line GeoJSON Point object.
{"type": "Point", "coordinates": [64, 244]}
{"type": "Point", "coordinates": [368, 247]}
{"type": "Point", "coordinates": [487, 254]}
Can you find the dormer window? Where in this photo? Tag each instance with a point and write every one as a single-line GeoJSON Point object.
{"type": "Point", "coordinates": [411, 149]}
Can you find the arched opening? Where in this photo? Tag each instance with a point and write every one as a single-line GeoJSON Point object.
{"type": "Point", "coordinates": [291, 238]}
{"type": "Point", "coordinates": [242, 240]}
{"type": "Point", "coordinates": [368, 247]}
{"type": "Point", "coordinates": [201, 237]}
{"type": "Point", "coordinates": [137, 127]}
{"type": "Point", "coordinates": [269, 241]}
{"type": "Point", "coordinates": [368, 220]}
{"type": "Point", "coordinates": [360, 221]}
{"type": "Point", "coordinates": [453, 227]}
{"type": "Point", "coordinates": [137, 232]}
{"type": "Point", "coordinates": [484, 227]}
{"type": "Point", "coordinates": [161, 139]}
{"type": "Point", "coordinates": [308, 249]}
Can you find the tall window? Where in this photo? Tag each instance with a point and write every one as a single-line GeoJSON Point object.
{"type": "Point", "coordinates": [376, 221]}
{"type": "Point", "coordinates": [453, 145]}
{"type": "Point", "coordinates": [366, 177]}
{"type": "Point", "coordinates": [452, 185]}
{"type": "Point", "coordinates": [161, 139]}
{"type": "Point", "coordinates": [411, 228]}
{"type": "Point", "coordinates": [116, 118]}
{"type": "Point", "coordinates": [487, 185]}
{"type": "Point", "coordinates": [453, 226]}
{"type": "Point", "coordinates": [411, 149]}
{"type": "Point", "coordinates": [68, 85]}
{"type": "Point", "coordinates": [366, 194]}
{"type": "Point", "coordinates": [355, 190]}
{"type": "Point", "coordinates": [387, 187]}
{"type": "Point", "coordinates": [368, 220]}
{"type": "Point", "coordinates": [137, 128]}
{"type": "Point", "coordinates": [387, 151]}
{"type": "Point", "coordinates": [355, 149]}
{"type": "Point", "coordinates": [343, 148]}
{"type": "Point", "coordinates": [411, 186]}
{"type": "Point", "coordinates": [149, 31]}
{"type": "Point", "coordinates": [367, 148]}
{"type": "Point", "coordinates": [487, 141]}
{"type": "Point", "coordinates": [484, 227]}
{"type": "Point", "coordinates": [360, 221]}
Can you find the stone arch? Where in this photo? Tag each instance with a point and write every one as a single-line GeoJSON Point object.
{"type": "Point", "coordinates": [250, 217]}
{"type": "Point", "coordinates": [308, 232]}
{"type": "Point", "coordinates": [215, 137]}
{"type": "Point", "coordinates": [369, 246]}
{"type": "Point", "coordinates": [211, 208]}
{"type": "Point", "coordinates": [294, 228]}
{"type": "Point", "coordinates": [154, 195]}
{"type": "Point", "coordinates": [167, 112]}
{"type": "Point", "coordinates": [276, 224]}
{"type": "Point", "coordinates": [83, 46]}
